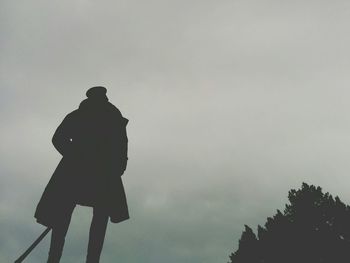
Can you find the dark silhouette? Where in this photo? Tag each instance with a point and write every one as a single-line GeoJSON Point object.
{"type": "Point", "coordinates": [93, 143]}
{"type": "Point", "coordinates": [314, 228]}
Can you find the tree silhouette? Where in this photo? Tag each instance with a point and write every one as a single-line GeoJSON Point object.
{"type": "Point", "coordinates": [314, 228]}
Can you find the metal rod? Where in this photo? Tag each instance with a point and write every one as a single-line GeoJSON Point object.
{"type": "Point", "coordinates": [35, 243]}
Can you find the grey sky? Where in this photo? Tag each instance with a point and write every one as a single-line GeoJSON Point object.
{"type": "Point", "coordinates": [231, 104]}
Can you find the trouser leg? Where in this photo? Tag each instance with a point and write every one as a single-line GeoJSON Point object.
{"type": "Point", "coordinates": [97, 235]}
{"type": "Point", "coordinates": [59, 231]}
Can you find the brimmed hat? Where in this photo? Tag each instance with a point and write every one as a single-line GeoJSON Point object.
{"type": "Point", "coordinates": [98, 91]}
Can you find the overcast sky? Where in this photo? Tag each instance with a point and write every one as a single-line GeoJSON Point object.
{"type": "Point", "coordinates": [231, 104]}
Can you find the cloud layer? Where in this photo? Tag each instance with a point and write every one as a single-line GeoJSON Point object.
{"type": "Point", "coordinates": [231, 104]}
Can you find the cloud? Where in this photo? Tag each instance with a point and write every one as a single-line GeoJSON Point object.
{"type": "Point", "coordinates": [231, 104]}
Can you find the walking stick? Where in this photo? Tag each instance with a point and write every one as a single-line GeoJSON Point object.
{"type": "Point", "coordinates": [35, 243]}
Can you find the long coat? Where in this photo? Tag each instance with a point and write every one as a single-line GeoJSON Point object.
{"type": "Point", "coordinates": [93, 143]}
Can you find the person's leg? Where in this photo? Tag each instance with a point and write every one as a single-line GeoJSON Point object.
{"type": "Point", "coordinates": [97, 235]}
{"type": "Point", "coordinates": [58, 235]}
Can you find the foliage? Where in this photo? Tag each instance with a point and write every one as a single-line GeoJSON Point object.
{"type": "Point", "coordinates": [314, 228]}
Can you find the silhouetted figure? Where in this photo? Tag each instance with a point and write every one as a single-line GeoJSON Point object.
{"type": "Point", "coordinates": [93, 143]}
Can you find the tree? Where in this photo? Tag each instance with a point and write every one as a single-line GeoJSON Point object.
{"type": "Point", "coordinates": [247, 251]}
{"type": "Point", "coordinates": [314, 228]}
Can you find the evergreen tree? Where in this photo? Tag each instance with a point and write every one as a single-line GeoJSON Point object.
{"type": "Point", "coordinates": [247, 251]}
{"type": "Point", "coordinates": [314, 228]}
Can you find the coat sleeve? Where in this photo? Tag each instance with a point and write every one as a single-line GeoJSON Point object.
{"type": "Point", "coordinates": [124, 145]}
{"type": "Point", "coordinates": [62, 138]}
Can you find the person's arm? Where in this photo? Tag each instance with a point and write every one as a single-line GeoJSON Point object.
{"type": "Point", "coordinates": [62, 139]}
{"type": "Point", "coordinates": [124, 147]}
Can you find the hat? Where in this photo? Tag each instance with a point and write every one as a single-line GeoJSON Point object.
{"type": "Point", "coordinates": [96, 92]}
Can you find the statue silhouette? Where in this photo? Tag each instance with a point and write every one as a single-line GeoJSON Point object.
{"type": "Point", "coordinates": [93, 143]}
